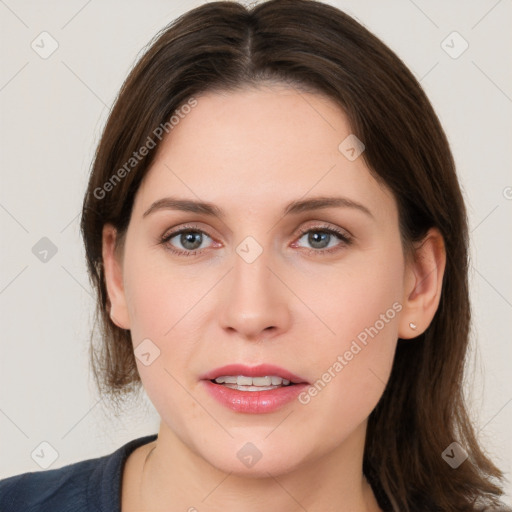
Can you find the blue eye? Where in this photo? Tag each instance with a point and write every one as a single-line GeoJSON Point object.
{"type": "Point", "coordinates": [191, 240]}
{"type": "Point", "coordinates": [317, 237]}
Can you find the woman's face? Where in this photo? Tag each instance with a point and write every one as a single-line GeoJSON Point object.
{"type": "Point", "coordinates": [261, 284]}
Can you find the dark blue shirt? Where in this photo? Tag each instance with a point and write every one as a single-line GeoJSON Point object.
{"type": "Point", "coordinates": [92, 485]}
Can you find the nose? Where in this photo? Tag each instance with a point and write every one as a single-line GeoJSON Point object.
{"type": "Point", "coordinates": [255, 300]}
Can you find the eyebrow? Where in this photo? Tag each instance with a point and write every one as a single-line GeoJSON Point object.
{"type": "Point", "coordinates": [293, 208]}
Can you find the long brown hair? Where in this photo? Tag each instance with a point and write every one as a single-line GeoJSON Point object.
{"type": "Point", "coordinates": [313, 46]}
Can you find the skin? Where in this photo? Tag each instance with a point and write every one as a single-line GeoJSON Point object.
{"type": "Point", "coordinates": [250, 153]}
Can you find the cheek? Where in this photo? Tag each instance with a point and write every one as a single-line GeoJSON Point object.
{"type": "Point", "coordinates": [160, 306]}
{"type": "Point", "coordinates": [159, 297]}
{"type": "Point", "coordinates": [163, 307]}
{"type": "Point", "coordinates": [362, 293]}
{"type": "Point", "coordinates": [353, 367]}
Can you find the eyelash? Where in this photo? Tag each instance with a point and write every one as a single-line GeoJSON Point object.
{"type": "Point", "coordinates": [342, 236]}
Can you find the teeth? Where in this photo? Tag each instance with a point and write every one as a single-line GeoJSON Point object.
{"type": "Point", "coordinates": [242, 380]}
{"type": "Point", "coordinates": [263, 381]}
{"type": "Point", "coordinates": [251, 388]}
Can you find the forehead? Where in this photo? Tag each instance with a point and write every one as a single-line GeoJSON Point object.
{"type": "Point", "coordinates": [259, 147]}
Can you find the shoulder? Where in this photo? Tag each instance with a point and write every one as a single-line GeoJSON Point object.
{"type": "Point", "coordinates": [46, 490]}
{"type": "Point", "coordinates": [89, 485]}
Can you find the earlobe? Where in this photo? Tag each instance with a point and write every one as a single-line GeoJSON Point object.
{"type": "Point", "coordinates": [423, 283]}
{"type": "Point", "coordinates": [114, 278]}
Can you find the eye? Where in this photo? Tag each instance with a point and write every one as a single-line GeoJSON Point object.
{"type": "Point", "coordinates": [189, 237]}
{"type": "Point", "coordinates": [192, 239]}
{"type": "Point", "coordinates": [320, 239]}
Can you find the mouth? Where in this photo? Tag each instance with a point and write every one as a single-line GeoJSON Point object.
{"type": "Point", "coordinates": [263, 377]}
{"type": "Point", "coordinates": [258, 389]}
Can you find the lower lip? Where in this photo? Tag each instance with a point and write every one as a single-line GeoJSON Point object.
{"type": "Point", "coordinates": [254, 402]}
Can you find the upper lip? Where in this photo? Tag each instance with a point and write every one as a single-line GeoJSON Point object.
{"type": "Point", "coordinates": [261, 370]}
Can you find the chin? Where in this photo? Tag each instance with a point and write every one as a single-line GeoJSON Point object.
{"type": "Point", "coordinates": [266, 467]}
{"type": "Point", "coordinates": [252, 460]}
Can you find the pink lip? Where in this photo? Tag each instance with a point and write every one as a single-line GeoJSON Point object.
{"type": "Point", "coordinates": [253, 402]}
{"type": "Point", "coordinates": [261, 370]}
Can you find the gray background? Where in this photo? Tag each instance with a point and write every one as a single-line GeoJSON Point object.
{"type": "Point", "coordinates": [52, 113]}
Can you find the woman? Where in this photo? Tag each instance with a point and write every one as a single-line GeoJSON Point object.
{"type": "Point", "coordinates": [278, 240]}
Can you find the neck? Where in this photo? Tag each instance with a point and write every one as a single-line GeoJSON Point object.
{"type": "Point", "coordinates": [173, 477]}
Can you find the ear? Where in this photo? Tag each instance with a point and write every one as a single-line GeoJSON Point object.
{"type": "Point", "coordinates": [423, 282]}
{"type": "Point", "coordinates": [113, 268]}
